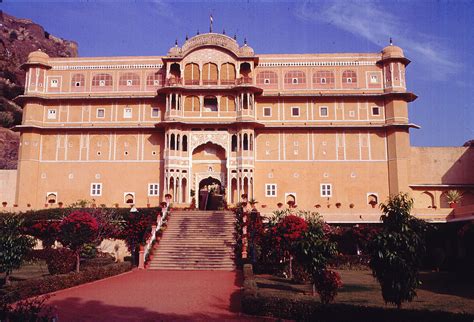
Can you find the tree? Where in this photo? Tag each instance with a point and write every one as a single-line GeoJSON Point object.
{"type": "Point", "coordinates": [137, 230]}
{"type": "Point", "coordinates": [77, 229]}
{"type": "Point", "coordinates": [396, 252]}
{"type": "Point", "coordinates": [13, 244]}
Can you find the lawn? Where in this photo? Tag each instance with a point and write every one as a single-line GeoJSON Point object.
{"type": "Point", "coordinates": [440, 291]}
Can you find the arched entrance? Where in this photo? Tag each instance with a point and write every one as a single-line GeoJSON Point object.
{"type": "Point", "coordinates": [211, 194]}
{"type": "Point", "coordinates": [209, 170]}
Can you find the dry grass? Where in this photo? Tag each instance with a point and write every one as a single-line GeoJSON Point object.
{"type": "Point", "coordinates": [440, 291]}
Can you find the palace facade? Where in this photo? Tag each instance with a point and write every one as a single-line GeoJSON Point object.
{"type": "Point", "coordinates": [328, 132]}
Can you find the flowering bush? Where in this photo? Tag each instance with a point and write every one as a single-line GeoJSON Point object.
{"type": "Point", "coordinates": [327, 283]}
{"type": "Point", "coordinates": [60, 260]}
{"type": "Point", "coordinates": [137, 230]}
{"type": "Point", "coordinates": [289, 230]}
{"type": "Point", "coordinates": [45, 230]}
{"type": "Point", "coordinates": [76, 230]}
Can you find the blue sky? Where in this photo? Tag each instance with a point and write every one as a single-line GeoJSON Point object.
{"type": "Point", "coordinates": [438, 36]}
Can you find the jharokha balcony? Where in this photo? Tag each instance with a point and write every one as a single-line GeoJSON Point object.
{"type": "Point", "coordinates": [179, 81]}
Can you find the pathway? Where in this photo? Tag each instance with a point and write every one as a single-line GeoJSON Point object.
{"type": "Point", "coordinates": [144, 295]}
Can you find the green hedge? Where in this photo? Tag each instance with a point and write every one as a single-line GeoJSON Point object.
{"type": "Point", "coordinates": [307, 310]}
{"type": "Point", "coordinates": [28, 288]}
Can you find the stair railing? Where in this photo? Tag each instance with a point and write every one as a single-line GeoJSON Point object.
{"type": "Point", "coordinates": [160, 219]}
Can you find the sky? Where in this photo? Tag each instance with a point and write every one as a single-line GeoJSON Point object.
{"type": "Point", "coordinates": [437, 36]}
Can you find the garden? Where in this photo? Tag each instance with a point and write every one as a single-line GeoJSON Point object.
{"type": "Point", "coordinates": [69, 252]}
{"type": "Point", "coordinates": [298, 267]}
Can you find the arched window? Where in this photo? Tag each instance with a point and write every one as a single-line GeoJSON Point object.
{"type": "Point", "coordinates": [191, 103]}
{"type": "Point", "coordinates": [234, 143]}
{"type": "Point", "coordinates": [177, 142]}
{"type": "Point", "coordinates": [227, 74]}
{"type": "Point", "coordinates": [251, 142]}
{"type": "Point", "coordinates": [295, 77]}
{"type": "Point", "coordinates": [267, 78]}
{"type": "Point", "coordinates": [51, 197]}
{"type": "Point", "coordinates": [154, 79]}
{"type": "Point", "coordinates": [372, 200]}
{"type": "Point", "coordinates": [246, 142]}
{"type": "Point", "coordinates": [191, 74]}
{"type": "Point", "coordinates": [175, 70]}
{"type": "Point", "coordinates": [349, 77]}
{"type": "Point", "coordinates": [102, 80]}
{"type": "Point", "coordinates": [172, 142]}
{"type": "Point", "coordinates": [185, 143]}
{"type": "Point", "coordinates": [129, 79]}
{"type": "Point", "coordinates": [78, 80]}
{"type": "Point", "coordinates": [227, 103]}
{"type": "Point", "coordinates": [210, 104]}
{"type": "Point", "coordinates": [209, 74]}
{"type": "Point", "coordinates": [323, 77]}
{"type": "Point", "coordinates": [129, 198]}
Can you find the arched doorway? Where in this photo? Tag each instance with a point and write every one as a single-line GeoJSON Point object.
{"type": "Point", "coordinates": [209, 169]}
{"type": "Point", "coordinates": [211, 194]}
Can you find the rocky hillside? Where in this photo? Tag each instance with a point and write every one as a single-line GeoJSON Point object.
{"type": "Point", "coordinates": [19, 37]}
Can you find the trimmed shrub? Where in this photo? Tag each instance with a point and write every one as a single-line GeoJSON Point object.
{"type": "Point", "coordinates": [28, 288]}
{"type": "Point", "coordinates": [327, 283]}
{"type": "Point", "coordinates": [60, 260]}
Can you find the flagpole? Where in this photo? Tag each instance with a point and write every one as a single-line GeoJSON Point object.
{"type": "Point", "coordinates": [211, 21]}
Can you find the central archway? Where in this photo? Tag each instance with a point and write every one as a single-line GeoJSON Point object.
{"type": "Point", "coordinates": [209, 169]}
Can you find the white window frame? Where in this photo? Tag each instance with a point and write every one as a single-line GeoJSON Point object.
{"type": "Point", "coordinates": [96, 189]}
{"type": "Point", "coordinates": [293, 109]}
{"type": "Point", "coordinates": [155, 109]}
{"type": "Point", "coordinates": [52, 114]}
{"type": "Point", "coordinates": [129, 193]}
{"type": "Point", "coordinates": [372, 110]}
{"type": "Point", "coordinates": [323, 80]}
{"type": "Point", "coordinates": [321, 109]}
{"type": "Point", "coordinates": [127, 115]}
{"type": "Point", "coordinates": [156, 82]}
{"type": "Point", "coordinates": [54, 83]}
{"type": "Point", "coordinates": [349, 80]}
{"type": "Point", "coordinates": [153, 189]}
{"type": "Point", "coordinates": [129, 82]}
{"type": "Point", "coordinates": [98, 114]}
{"type": "Point", "coordinates": [270, 190]}
{"type": "Point", "coordinates": [267, 108]}
{"type": "Point", "coordinates": [52, 193]}
{"type": "Point", "coordinates": [101, 82]}
{"type": "Point", "coordinates": [326, 190]}
{"type": "Point", "coordinates": [266, 81]}
{"type": "Point", "coordinates": [77, 84]}
{"type": "Point", "coordinates": [295, 81]}
{"type": "Point", "coordinates": [374, 79]}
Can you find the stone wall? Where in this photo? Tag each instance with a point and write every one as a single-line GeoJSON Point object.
{"type": "Point", "coordinates": [7, 187]}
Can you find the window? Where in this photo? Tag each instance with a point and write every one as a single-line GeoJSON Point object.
{"type": "Point", "coordinates": [155, 112]}
{"type": "Point", "coordinates": [326, 190]}
{"type": "Point", "coordinates": [294, 81]}
{"type": "Point", "coordinates": [295, 111]}
{"type": "Point", "coordinates": [323, 111]}
{"type": "Point", "coordinates": [129, 79]}
{"type": "Point", "coordinates": [270, 190]}
{"type": "Point", "coordinates": [127, 113]}
{"type": "Point", "coordinates": [375, 110]}
{"type": "Point", "coordinates": [77, 84]}
{"type": "Point", "coordinates": [295, 77]}
{"type": "Point", "coordinates": [96, 189]}
{"type": "Point", "coordinates": [349, 76]}
{"type": "Point", "coordinates": [51, 114]}
{"type": "Point", "coordinates": [266, 81]}
{"type": "Point", "coordinates": [323, 77]}
{"type": "Point", "coordinates": [100, 113]}
{"type": "Point", "coordinates": [101, 82]}
{"type": "Point", "coordinates": [267, 78]}
{"type": "Point", "coordinates": [323, 80]}
{"type": "Point", "coordinates": [78, 80]}
{"type": "Point", "coordinates": [267, 111]}
{"type": "Point", "coordinates": [129, 82]}
{"type": "Point", "coordinates": [54, 83]}
{"type": "Point", "coordinates": [153, 189]}
{"type": "Point", "coordinates": [374, 79]}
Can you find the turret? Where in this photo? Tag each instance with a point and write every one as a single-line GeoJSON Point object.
{"type": "Point", "coordinates": [393, 63]}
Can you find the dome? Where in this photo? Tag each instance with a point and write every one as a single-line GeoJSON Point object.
{"type": "Point", "coordinates": [392, 51]}
{"type": "Point", "coordinates": [246, 50]}
{"type": "Point", "coordinates": [174, 51]}
{"type": "Point", "coordinates": [38, 57]}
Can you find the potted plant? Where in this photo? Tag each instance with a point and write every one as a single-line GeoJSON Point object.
{"type": "Point", "coordinates": [244, 197]}
{"type": "Point", "coordinates": [453, 197]}
{"type": "Point", "coordinates": [116, 205]}
{"type": "Point", "coordinates": [60, 204]}
{"type": "Point", "coordinates": [279, 205]}
{"type": "Point", "coordinates": [317, 206]}
{"type": "Point", "coordinates": [373, 203]}
{"type": "Point", "coordinates": [264, 206]}
{"type": "Point", "coordinates": [28, 205]}
{"type": "Point", "coordinates": [338, 204]}
{"type": "Point", "coordinates": [4, 204]}
{"type": "Point", "coordinates": [290, 203]}
{"type": "Point", "coordinates": [253, 202]}
{"type": "Point", "coordinates": [351, 205]}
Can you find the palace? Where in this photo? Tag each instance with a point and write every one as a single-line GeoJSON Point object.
{"type": "Point", "coordinates": [213, 119]}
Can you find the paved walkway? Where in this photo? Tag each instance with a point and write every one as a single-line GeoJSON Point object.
{"type": "Point", "coordinates": [144, 295]}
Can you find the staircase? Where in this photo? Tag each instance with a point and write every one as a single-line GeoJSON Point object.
{"type": "Point", "coordinates": [196, 240]}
